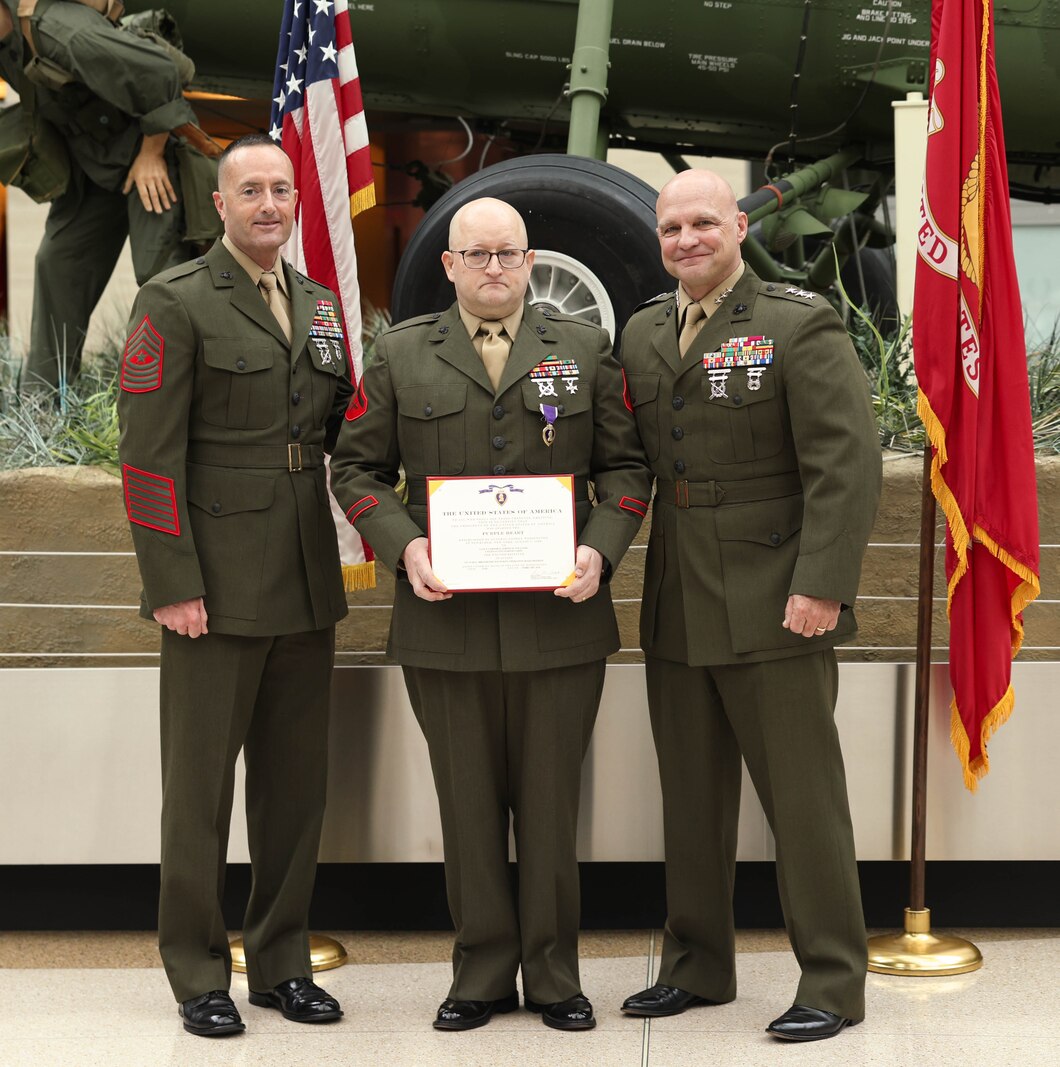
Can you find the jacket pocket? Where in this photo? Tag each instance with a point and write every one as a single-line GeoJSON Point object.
{"type": "Point", "coordinates": [229, 514]}
{"type": "Point", "coordinates": [431, 428]}
{"type": "Point", "coordinates": [644, 396]}
{"type": "Point", "coordinates": [759, 548]}
{"type": "Point", "coordinates": [573, 441]}
{"type": "Point", "coordinates": [746, 422]}
{"type": "Point", "coordinates": [238, 391]}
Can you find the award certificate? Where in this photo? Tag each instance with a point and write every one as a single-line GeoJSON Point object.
{"type": "Point", "coordinates": [508, 532]}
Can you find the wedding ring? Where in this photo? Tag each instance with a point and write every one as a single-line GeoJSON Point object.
{"type": "Point", "coordinates": [820, 629]}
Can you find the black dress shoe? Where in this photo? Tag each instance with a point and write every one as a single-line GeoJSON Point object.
{"type": "Point", "coordinates": [468, 1014]}
{"type": "Point", "coordinates": [211, 1015]}
{"type": "Point", "coordinates": [300, 1000]}
{"type": "Point", "coordinates": [800, 1023]}
{"type": "Point", "coordinates": [659, 1000]}
{"type": "Point", "coordinates": [574, 1013]}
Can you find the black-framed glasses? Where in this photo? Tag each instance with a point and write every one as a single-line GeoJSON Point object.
{"type": "Point", "coordinates": [479, 258]}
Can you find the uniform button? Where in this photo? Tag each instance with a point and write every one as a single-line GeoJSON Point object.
{"type": "Point", "coordinates": [427, 409]}
{"type": "Point", "coordinates": [215, 507]}
{"type": "Point", "coordinates": [499, 442]}
{"type": "Point", "coordinates": [774, 539]}
{"type": "Point", "coordinates": [241, 364]}
{"type": "Point", "coordinates": [498, 412]}
{"type": "Point", "coordinates": [678, 402]}
{"type": "Point", "coordinates": [679, 466]}
{"type": "Point", "coordinates": [770, 288]}
{"type": "Point", "coordinates": [296, 398]}
{"type": "Point", "coordinates": [104, 120]}
{"type": "Point", "coordinates": [296, 431]}
{"type": "Point", "coordinates": [561, 409]}
{"type": "Point", "coordinates": [677, 433]}
{"type": "Point", "coordinates": [737, 400]}
{"type": "Point", "coordinates": [500, 469]}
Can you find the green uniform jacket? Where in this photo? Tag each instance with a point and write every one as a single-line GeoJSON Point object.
{"type": "Point", "coordinates": [215, 405]}
{"type": "Point", "coordinates": [431, 408]}
{"type": "Point", "coordinates": [124, 87]}
{"type": "Point", "coordinates": [767, 482]}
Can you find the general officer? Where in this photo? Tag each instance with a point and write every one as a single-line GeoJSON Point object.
{"type": "Point", "coordinates": [116, 98]}
{"type": "Point", "coordinates": [232, 385]}
{"type": "Point", "coordinates": [755, 416]}
{"type": "Point", "coordinates": [505, 685]}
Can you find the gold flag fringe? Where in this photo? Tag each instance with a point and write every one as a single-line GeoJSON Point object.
{"type": "Point", "coordinates": [362, 200]}
{"type": "Point", "coordinates": [357, 576]}
{"type": "Point", "coordinates": [1022, 595]}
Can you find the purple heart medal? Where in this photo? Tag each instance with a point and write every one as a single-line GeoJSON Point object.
{"type": "Point", "coordinates": [549, 413]}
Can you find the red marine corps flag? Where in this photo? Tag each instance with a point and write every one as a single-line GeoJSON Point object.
{"type": "Point", "coordinates": [318, 119]}
{"type": "Point", "coordinates": [971, 365]}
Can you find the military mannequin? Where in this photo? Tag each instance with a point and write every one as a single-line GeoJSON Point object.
{"type": "Point", "coordinates": [115, 98]}
{"type": "Point", "coordinates": [233, 382]}
{"type": "Point", "coordinates": [755, 415]}
{"type": "Point", "coordinates": [505, 685]}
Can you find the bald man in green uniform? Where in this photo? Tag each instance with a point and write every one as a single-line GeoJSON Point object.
{"type": "Point", "coordinates": [755, 416]}
{"type": "Point", "coordinates": [115, 98]}
{"type": "Point", "coordinates": [233, 382]}
{"type": "Point", "coordinates": [505, 685]}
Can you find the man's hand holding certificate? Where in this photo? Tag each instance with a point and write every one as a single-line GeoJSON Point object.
{"type": "Point", "coordinates": [510, 533]}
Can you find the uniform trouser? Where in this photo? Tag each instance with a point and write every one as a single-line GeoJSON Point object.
{"type": "Point", "coordinates": [83, 238]}
{"type": "Point", "coordinates": [780, 716]}
{"type": "Point", "coordinates": [268, 696]}
{"type": "Point", "coordinates": [500, 742]}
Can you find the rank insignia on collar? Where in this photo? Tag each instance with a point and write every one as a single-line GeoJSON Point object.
{"type": "Point", "coordinates": [226, 274]}
{"type": "Point", "coordinates": [141, 362]}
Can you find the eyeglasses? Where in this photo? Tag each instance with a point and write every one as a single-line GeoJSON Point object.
{"type": "Point", "coordinates": [479, 258]}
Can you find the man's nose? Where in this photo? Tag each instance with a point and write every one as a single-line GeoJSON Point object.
{"type": "Point", "coordinates": [494, 265]}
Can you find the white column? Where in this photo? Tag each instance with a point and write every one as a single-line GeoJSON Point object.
{"type": "Point", "coordinates": [910, 149]}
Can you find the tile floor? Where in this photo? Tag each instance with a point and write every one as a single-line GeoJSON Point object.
{"type": "Point", "coordinates": [82, 1000]}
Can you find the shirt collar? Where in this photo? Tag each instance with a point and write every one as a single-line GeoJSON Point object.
{"type": "Point", "coordinates": [511, 323]}
{"type": "Point", "coordinates": [255, 270]}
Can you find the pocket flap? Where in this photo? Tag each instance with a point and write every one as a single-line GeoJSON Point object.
{"type": "Point", "coordinates": [567, 403]}
{"type": "Point", "coordinates": [643, 388]}
{"type": "Point", "coordinates": [236, 355]}
{"type": "Point", "coordinates": [222, 492]}
{"type": "Point", "coordinates": [430, 401]}
{"type": "Point", "coordinates": [765, 522]}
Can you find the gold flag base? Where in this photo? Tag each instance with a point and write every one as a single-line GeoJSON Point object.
{"type": "Point", "coordinates": [919, 953]}
{"type": "Point", "coordinates": [325, 954]}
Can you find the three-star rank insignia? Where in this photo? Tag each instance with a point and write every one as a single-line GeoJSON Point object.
{"type": "Point", "coordinates": [141, 363]}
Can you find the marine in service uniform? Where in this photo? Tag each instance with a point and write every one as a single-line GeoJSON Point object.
{"type": "Point", "coordinates": [233, 382]}
{"type": "Point", "coordinates": [505, 685]}
{"type": "Point", "coordinates": [115, 97]}
{"type": "Point", "coordinates": [755, 416]}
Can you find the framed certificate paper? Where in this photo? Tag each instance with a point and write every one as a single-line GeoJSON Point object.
{"type": "Point", "coordinates": [508, 532]}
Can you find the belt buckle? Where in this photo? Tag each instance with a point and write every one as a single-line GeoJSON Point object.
{"type": "Point", "coordinates": [294, 457]}
{"type": "Point", "coordinates": [681, 493]}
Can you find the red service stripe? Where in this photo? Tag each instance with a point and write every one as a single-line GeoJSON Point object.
{"type": "Point", "coordinates": [633, 504]}
{"type": "Point", "coordinates": [150, 500]}
{"type": "Point", "coordinates": [360, 507]}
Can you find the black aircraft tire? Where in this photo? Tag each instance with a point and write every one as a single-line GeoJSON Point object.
{"type": "Point", "coordinates": [596, 216]}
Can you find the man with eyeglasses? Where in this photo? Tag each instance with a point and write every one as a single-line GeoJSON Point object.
{"type": "Point", "coordinates": [755, 416]}
{"type": "Point", "coordinates": [505, 685]}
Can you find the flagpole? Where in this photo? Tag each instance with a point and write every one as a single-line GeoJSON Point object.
{"type": "Point", "coordinates": [916, 951]}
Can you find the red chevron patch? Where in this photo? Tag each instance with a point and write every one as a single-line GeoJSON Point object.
{"type": "Point", "coordinates": [150, 500]}
{"type": "Point", "coordinates": [141, 364]}
{"type": "Point", "coordinates": [358, 404]}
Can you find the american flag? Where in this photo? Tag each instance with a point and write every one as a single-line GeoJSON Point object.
{"type": "Point", "coordinates": [318, 119]}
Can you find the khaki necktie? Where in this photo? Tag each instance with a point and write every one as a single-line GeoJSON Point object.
{"type": "Point", "coordinates": [694, 317]}
{"type": "Point", "coordinates": [267, 285]}
{"type": "Point", "coordinates": [494, 351]}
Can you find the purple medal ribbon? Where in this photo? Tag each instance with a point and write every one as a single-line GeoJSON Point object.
{"type": "Point", "coordinates": [550, 413]}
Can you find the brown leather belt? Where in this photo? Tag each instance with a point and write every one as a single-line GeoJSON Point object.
{"type": "Point", "coordinates": [710, 494]}
{"type": "Point", "coordinates": [292, 457]}
{"type": "Point", "coordinates": [417, 491]}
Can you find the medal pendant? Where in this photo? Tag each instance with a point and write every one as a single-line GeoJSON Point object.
{"type": "Point", "coordinates": [548, 435]}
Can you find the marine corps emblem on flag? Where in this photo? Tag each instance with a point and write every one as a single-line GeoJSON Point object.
{"type": "Point", "coordinates": [141, 363]}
